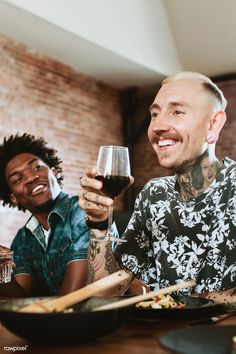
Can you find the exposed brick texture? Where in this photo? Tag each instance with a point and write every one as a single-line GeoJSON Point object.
{"type": "Point", "coordinates": [226, 145]}
{"type": "Point", "coordinates": [76, 114]}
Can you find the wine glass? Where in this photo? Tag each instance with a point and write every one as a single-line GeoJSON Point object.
{"type": "Point", "coordinates": [113, 170]}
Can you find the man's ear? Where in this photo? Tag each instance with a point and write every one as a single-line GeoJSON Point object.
{"type": "Point", "coordinates": [54, 171]}
{"type": "Point", "coordinates": [216, 124]}
{"type": "Point", "coordinates": [13, 199]}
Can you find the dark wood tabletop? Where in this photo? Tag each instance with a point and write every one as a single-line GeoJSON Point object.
{"type": "Point", "coordinates": [134, 337]}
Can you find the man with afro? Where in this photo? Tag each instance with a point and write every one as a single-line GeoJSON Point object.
{"type": "Point", "coordinates": [50, 250]}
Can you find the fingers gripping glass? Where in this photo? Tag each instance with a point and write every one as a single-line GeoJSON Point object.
{"type": "Point", "coordinates": [113, 170]}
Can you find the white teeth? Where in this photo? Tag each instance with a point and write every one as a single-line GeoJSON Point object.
{"type": "Point", "coordinates": [37, 188]}
{"type": "Point", "coordinates": [166, 142]}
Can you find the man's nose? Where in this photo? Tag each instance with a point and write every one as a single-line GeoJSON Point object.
{"type": "Point", "coordinates": [31, 176]}
{"type": "Point", "coordinates": [161, 123]}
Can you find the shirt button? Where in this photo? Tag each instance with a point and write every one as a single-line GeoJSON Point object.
{"type": "Point", "coordinates": [51, 274]}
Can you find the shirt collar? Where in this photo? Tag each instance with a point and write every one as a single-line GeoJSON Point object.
{"type": "Point", "coordinates": [60, 208]}
{"type": "Point", "coordinates": [32, 224]}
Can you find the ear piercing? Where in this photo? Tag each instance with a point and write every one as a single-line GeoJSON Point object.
{"type": "Point", "coordinates": [211, 138]}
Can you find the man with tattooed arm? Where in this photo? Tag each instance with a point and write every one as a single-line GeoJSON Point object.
{"type": "Point", "coordinates": [183, 226]}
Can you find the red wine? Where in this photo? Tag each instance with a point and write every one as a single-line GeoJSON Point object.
{"type": "Point", "coordinates": [113, 185]}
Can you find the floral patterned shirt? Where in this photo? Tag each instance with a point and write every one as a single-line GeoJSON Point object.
{"type": "Point", "coordinates": [170, 240]}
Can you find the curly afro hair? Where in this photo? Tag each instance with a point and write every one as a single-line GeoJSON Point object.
{"type": "Point", "coordinates": [25, 143]}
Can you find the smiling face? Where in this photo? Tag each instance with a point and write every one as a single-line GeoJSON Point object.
{"type": "Point", "coordinates": [180, 120]}
{"type": "Point", "coordinates": [32, 183]}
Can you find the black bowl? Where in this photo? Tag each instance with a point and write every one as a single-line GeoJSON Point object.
{"type": "Point", "coordinates": [195, 309]}
{"type": "Point", "coordinates": [63, 327]}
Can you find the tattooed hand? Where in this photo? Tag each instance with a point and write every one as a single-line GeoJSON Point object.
{"type": "Point", "coordinates": [91, 198]}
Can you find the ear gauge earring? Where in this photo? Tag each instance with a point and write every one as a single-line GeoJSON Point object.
{"type": "Point", "coordinates": [211, 139]}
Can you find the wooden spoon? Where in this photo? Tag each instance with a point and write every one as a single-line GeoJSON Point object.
{"type": "Point", "coordinates": [133, 300]}
{"type": "Point", "coordinates": [61, 303]}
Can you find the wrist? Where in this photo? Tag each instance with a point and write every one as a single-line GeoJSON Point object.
{"type": "Point", "coordinates": [98, 235]}
{"type": "Point", "coordinates": [98, 225]}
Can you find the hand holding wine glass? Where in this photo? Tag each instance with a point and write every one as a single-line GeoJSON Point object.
{"type": "Point", "coordinates": [113, 170]}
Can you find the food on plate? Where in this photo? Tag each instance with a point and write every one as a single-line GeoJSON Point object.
{"type": "Point", "coordinates": [161, 302]}
{"type": "Point", "coordinates": [69, 310]}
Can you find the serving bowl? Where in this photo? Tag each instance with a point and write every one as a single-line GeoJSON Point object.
{"type": "Point", "coordinates": [78, 324]}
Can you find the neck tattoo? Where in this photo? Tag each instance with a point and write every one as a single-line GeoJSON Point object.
{"type": "Point", "coordinates": [197, 178]}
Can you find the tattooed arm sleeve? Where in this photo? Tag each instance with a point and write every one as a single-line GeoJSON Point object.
{"type": "Point", "coordinates": [101, 262]}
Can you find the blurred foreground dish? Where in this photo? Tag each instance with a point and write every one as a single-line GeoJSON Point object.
{"type": "Point", "coordinates": [79, 325]}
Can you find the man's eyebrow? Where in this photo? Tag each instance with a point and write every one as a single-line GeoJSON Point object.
{"type": "Point", "coordinates": [154, 105]}
{"type": "Point", "coordinates": [180, 104]}
{"type": "Point", "coordinates": [16, 172]}
{"type": "Point", "coordinates": [171, 104]}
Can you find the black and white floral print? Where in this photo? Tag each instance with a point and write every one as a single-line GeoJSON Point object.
{"type": "Point", "coordinates": [170, 241]}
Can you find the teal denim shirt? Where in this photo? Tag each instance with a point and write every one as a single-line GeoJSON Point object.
{"type": "Point", "coordinates": [68, 242]}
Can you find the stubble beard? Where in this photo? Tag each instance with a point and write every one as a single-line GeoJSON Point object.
{"type": "Point", "coordinates": [44, 208]}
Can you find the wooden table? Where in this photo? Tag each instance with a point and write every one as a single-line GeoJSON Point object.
{"type": "Point", "coordinates": [134, 337]}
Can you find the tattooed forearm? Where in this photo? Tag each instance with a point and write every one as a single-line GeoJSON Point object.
{"type": "Point", "coordinates": [91, 274]}
{"type": "Point", "coordinates": [101, 261]}
{"type": "Point", "coordinates": [110, 263]}
{"type": "Point", "coordinates": [233, 293]}
{"type": "Point", "coordinates": [94, 249]}
{"type": "Point", "coordinates": [223, 297]}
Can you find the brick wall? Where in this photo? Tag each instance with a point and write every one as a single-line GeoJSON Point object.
{"type": "Point", "coordinates": [226, 145]}
{"type": "Point", "coordinates": [74, 113]}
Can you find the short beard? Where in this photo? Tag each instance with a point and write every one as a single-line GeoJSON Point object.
{"type": "Point", "coordinates": [45, 208]}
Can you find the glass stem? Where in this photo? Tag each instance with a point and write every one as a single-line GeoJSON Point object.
{"type": "Point", "coordinates": [110, 217]}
